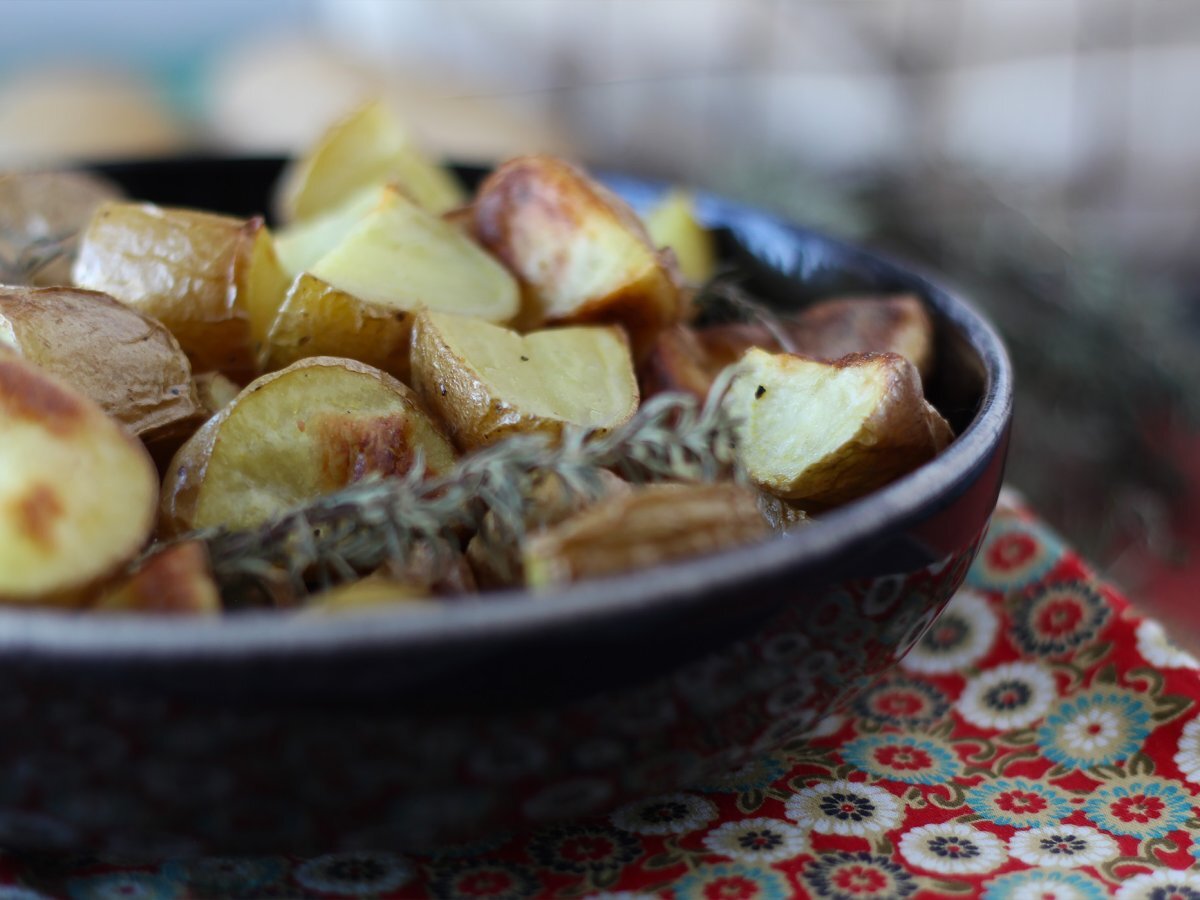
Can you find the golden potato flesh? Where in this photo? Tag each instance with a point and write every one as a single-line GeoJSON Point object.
{"type": "Point", "coordinates": [368, 147]}
{"type": "Point", "coordinates": [372, 592]}
{"type": "Point", "coordinates": [301, 244]}
{"type": "Point", "coordinates": [402, 257]}
{"type": "Point", "coordinates": [176, 579]}
{"type": "Point", "coordinates": [77, 492]}
{"type": "Point", "coordinates": [672, 223]}
{"type": "Point", "coordinates": [486, 382]}
{"type": "Point", "coordinates": [825, 433]}
{"type": "Point", "coordinates": [295, 435]}
{"type": "Point", "coordinates": [127, 363]}
{"type": "Point", "coordinates": [214, 391]}
{"type": "Point", "coordinates": [580, 250]}
{"type": "Point", "coordinates": [214, 281]}
{"type": "Point", "coordinates": [317, 319]}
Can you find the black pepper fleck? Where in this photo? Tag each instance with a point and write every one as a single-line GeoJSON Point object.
{"type": "Point", "coordinates": [524, 359]}
{"type": "Point", "coordinates": [761, 390]}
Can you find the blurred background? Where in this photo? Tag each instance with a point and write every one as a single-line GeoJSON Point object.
{"type": "Point", "coordinates": [1043, 153]}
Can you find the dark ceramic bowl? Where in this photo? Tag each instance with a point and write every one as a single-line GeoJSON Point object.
{"type": "Point", "coordinates": [266, 732]}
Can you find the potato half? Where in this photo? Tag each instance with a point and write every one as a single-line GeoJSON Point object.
{"type": "Point", "coordinates": [127, 363]}
{"type": "Point", "coordinates": [672, 223]}
{"type": "Point", "coordinates": [295, 435]}
{"type": "Point", "coordinates": [825, 433]}
{"type": "Point", "coordinates": [176, 579]}
{"type": "Point", "coordinates": [581, 251]}
{"type": "Point", "coordinates": [77, 491]}
{"type": "Point", "coordinates": [486, 382]}
{"type": "Point", "coordinates": [301, 244]}
{"type": "Point", "coordinates": [368, 147]}
{"type": "Point", "coordinates": [214, 281]}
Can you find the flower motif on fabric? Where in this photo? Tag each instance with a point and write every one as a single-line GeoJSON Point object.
{"type": "Point", "coordinates": [1095, 728]}
{"type": "Point", "coordinates": [1141, 808]}
{"type": "Point", "coordinates": [757, 774]}
{"type": "Point", "coordinates": [1157, 649]}
{"type": "Point", "coordinates": [354, 874]}
{"type": "Point", "coordinates": [1059, 617]}
{"type": "Point", "coordinates": [1008, 696]}
{"type": "Point", "coordinates": [1019, 802]}
{"type": "Point", "coordinates": [844, 807]}
{"type": "Point", "coordinates": [493, 880]}
{"type": "Point", "coordinates": [903, 702]}
{"type": "Point", "coordinates": [952, 848]}
{"type": "Point", "coordinates": [1062, 846]}
{"type": "Point", "coordinates": [757, 840]}
{"type": "Point", "coordinates": [12, 892]}
{"type": "Point", "coordinates": [1045, 884]}
{"type": "Point", "coordinates": [902, 757]}
{"type": "Point", "coordinates": [732, 881]}
{"type": "Point", "coordinates": [595, 850]}
{"type": "Point", "coordinates": [1188, 755]}
{"type": "Point", "coordinates": [665, 814]}
{"type": "Point", "coordinates": [1162, 885]}
{"type": "Point", "coordinates": [960, 637]}
{"type": "Point", "coordinates": [1015, 554]}
{"type": "Point", "coordinates": [857, 876]}
{"type": "Point", "coordinates": [214, 876]}
{"type": "Point", "coordinates": [123, 886]}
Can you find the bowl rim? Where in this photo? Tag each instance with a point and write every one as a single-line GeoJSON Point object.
{"type": "Point", "coordinates": [145, 637]}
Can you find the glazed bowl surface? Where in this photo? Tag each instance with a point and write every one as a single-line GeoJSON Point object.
{"type": "Point", "coordinates": [267, 732]}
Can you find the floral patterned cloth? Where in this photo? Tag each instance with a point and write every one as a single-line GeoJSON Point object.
{"type": "Point", "coordinates": [1042, 741]}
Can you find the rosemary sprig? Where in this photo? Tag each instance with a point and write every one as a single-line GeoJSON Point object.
{"type": "Point", "coordinates": [338, 537]}
{"type": "Point", "coordinates": [22, 257]}
{"type": "Point", "coordinates": [724, 291]}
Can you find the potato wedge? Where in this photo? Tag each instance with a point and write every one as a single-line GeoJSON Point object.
{"type": "Point", "coordinates": [214, 281]}
{"type": "Point", "coordinates": [77, 491]}
{"type": "Point", "coordinates": [292, 436]}
{"type": "Point", "coordinates": [368, 147]}
{"type": "Point", "coordinates": [372, 592]}
{"type": "Point", "coordinates": [400, 256]}
{"type": "Point", "coordinates": [41, 210]}
{"type": "Point", "coordinates": [582, 252]}
{"type": "Point", "coordinates": [647, 526]}
{"type": "Point", "coordinates": [825, 433]}
{"type": "Point", "coordinates": [214, 391]}
{"type": "Point", "coordinates": [301, 244]}
{"type": "Point", "coordinates": [672, 223]}
{"type": "Point", "coordinates": [127, 363]}
{"type": "Point", "coordinates": [176, 579]}
{"type": "Point", "coordinates": [486, 382]}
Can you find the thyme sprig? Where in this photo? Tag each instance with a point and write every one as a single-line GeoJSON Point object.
{"type": "Point", "coordinates": [341, 536]}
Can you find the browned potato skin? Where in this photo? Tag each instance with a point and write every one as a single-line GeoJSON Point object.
{"type": "Point", "coordinates": [212, 280]}
{"type": "Point", "coordinates": [126, 362]}
{"type": "Point", "coordinates": [36, 206]}
{"type": "Point", "coordinates": [175, 580]}
{"type": "Point", "coordinates": [184, 479]}
{"type": "Point", "coordinates": [533, 210]}
{"type": "Point", "coordinates": [348, 327]}
{"type": "Point", "coordinates": [83, 520]}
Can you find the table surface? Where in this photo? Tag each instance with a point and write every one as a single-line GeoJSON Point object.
{"type": "Point", "coordinates": [1042, 741]}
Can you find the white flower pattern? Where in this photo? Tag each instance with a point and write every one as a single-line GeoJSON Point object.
{"type": "Point", "coordinates": [1157, 649]}
{"type": "Point", "coordinates": [952, 848]}
{"type": "Point", "coordinates": [665, 814]}
{"type": "Point", "coordinates": [844, 807]}
{"type": "Point", "coordinates": [1009, 696]}
{"type": "Point", "coordinates": [1165, 883]}
{"type": "Point", "coordinates": [758, 840]}
{"type": "Point", "coordinates": [960, 637]}
{"type": "Point", "coordinates": [1062, 846]}
{"type": "Point", "coordinates": [1188, 755]}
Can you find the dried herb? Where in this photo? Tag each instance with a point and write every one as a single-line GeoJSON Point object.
{"type": "Point", "coordinates": [339, 537]}
{"type": "Point", "coordinates": [23, 257]}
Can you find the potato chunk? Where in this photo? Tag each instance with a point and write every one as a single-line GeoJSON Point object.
{"type": "Point", "coordinates": [368, 147]}
{"type": "Point", "coordinates": [301, 244]}
{"type": "Point", "coordinates": [294, 435]}
{"type": "Point", "coordinates": [77, 492]}
{"type": "Point", "coordinates": [672, 223]}
{"type": "Point", "coordinates": [485, 382]}
{"type": "Point", "coordinates": [581, 251]}
{"type": "Point", "coordinates": [825, 433]}
{"type": "Point", "coordinates": [127, 363]}
{"type": "Point", "coordinates": [214, 281]}
{"type": "Point", "coordinates": [176, 579]}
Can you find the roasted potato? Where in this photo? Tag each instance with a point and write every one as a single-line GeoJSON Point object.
{"type": "Point", "coordinates": [41, 213]}
{"type": "Point", "coordinates": [214, 391]}
{"type": "Point", "coordinates": [826, 433]}
{"type": "Point", "coordinates": [582, 253]}
{"type": "Point", "coordinates": [77, 491]}
{"type": "Point", "coordinates": [371, 592]}
{"type": "Point", "coordinates": [301, 244]}
{"type": "Point", "coordinates": [214, 281]}
{"type": "Point", "coordinates": [486, 382]}
{"type": "Point", "coordinates": [176, 579]}
{"type": "Point", "coordinates": [293, 436]}
{"type": "Point", "coordinates": [672, 223]}
{"type": "Point", "coordinates": [369, 147]}
{"type": "Point", "coordinates": [127, 363]}
{"type": "Point", "coordinates": [647, 526]}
